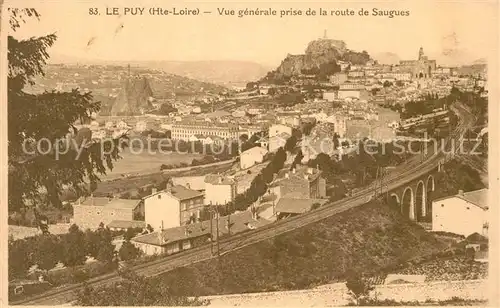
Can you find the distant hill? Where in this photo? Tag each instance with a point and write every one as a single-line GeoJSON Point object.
{"type": "Point", "coordinates": [480, 61]}
{"type": "Point", "coordinates": [218, 72]}
{"type": "Point", "coordinates": [388, 58]}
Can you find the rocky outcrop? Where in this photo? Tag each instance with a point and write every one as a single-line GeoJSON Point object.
{"type": "Point", "coordinates": [318, 52]}
{"type": "Point", "coordinates": [133, 97]}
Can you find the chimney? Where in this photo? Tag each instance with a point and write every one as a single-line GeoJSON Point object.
{"type": "Point", "coordinates": [154, 190]}
{"type": "Point", "coordinates": [188, 185]}
{"type": "Point", "coordinates": [293, 170]}
{"type": "Point", "coordinates": [186, 231]}
{"type": "Point", "coordinates": [310, 170]}
{"type": "Point", "coordinates": [287, 175]}
{"type": "Point", "coordinates": [306, 177]}
{"type": "Point", "coordinates": [220, 180]}
{"type": "Point", "coordinates": [169, 187]}
{"type": "Point", "coordinates": [460, 192]}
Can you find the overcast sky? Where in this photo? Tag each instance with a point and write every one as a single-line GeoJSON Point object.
{"type": "Point", "coordinates": [266, 40]}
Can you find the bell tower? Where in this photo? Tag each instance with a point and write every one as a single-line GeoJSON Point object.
{"type": "Point", "coordinates": [421, 53]}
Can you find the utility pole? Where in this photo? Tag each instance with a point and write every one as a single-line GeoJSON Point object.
{"type": "Point", "coordinates": [375, 189]}
{"type": "Point", "coordinates": [229, 223]}
{"type": "Point", "coordinates": [211, 229]}
{"type": "Point", "coordinates": [217, 220]}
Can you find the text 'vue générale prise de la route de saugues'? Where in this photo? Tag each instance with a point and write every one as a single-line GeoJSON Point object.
{"type": "Point", "coordinates": [243, 12]}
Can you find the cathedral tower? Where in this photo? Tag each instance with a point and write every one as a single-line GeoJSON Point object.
{"type": "Point", "coordinates": [421, 53]}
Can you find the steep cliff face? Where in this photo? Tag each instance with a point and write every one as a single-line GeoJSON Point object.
{"type": "Point", "coordinates": [318, 52]}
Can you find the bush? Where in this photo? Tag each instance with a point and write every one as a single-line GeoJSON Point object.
{"type": "Point", "coordinates": [79, 275]}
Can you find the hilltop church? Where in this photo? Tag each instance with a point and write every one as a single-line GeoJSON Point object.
{"type": "Point", "coordinates": [421, 68]}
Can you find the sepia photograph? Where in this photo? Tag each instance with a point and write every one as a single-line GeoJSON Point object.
{"type": "Point", "coordinates": [249, 154]}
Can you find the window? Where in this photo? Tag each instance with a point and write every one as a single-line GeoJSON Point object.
{"type": "Point", "coordinates": [468, 208]}
{"type": "Point", "coordinates": [98, 213]}
{"type": "Point", "coordinates": [159, 196]}
{"type": "Point", "coordinates": [442, 205]}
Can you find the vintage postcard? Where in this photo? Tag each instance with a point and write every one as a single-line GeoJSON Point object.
{"type": "Point", "coordinates": [167, 153]}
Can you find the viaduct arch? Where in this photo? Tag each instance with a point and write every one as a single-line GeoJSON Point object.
{"type": "Point", "coordinates": [415, 198]}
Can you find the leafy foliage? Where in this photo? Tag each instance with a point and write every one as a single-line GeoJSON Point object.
{"type": "Point", "coordinates": [166, 109]}
{"type": "Point", "coordinates": [128, 251]}
{"type": "Point", "coordinates": [135, 290]}
{"type": "Point", "coordinates": [71, 249]}
{"type": "Point", "coordinates": [74, 247]}
{"type": "Point", "coordinates": [38, 177]}
{"type": "Point", "coordinates": [457, 176]}
{"type": "Point", "coordinates": [357, 58]}
{"type": "Point", "coordinates": [359, 288]}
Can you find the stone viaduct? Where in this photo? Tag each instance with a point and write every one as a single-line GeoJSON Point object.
{"type": "Point", "coordinates": [414, 198]}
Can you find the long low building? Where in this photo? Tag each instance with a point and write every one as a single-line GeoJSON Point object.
{"type": "Point", "coordinates": [173, 240]}
{"type": "Point", "coordinates": [183, 131]}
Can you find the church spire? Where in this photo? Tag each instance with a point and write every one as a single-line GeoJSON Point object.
{"type": "Point", "coordinates": [420, 53]}
{"type": "Point", "coordinates": [324, 35]}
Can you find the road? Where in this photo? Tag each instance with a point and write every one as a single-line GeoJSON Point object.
{"type": "Point", "coordinates": [411, 170]}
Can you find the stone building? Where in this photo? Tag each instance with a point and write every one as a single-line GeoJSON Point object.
{"type": "Point", "coordinates": [300, 183]}
{"type": "Point", "coordinates": [420, 68]}
{"type": "Point", "coordinates": [219, 190]}
{"type": "Point", "coordinates": [173, 207]}
{"type": "Point", "coordinates": [90, 212]}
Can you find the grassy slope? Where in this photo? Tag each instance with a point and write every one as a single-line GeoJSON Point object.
{"type": "Point", "coordinates": [369, 239]}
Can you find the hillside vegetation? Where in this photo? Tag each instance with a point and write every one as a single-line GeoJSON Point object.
{"type": "Point", "coordinates": [370, 239]}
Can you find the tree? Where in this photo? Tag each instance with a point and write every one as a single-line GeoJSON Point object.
{"type": "Point", "coordinates": [166, 109]}
{"type": "Point", "coordinates": [297, 160]}
{"type": "Point", "coordinates": [128, 251]}
{"type": "Point", "coordinates": [244, 138]}
{"type": "Point", "coordinates": [135, 290]}
{"type": "Point", "coordinates": [290, 143]}
{"type": "Point", "coordinates": [35, 178]}
{"type": "Point", "coordinates": [130, 233]}
{"type": "Point", "coordinates": [359, 288]}
{"type": "Point", "coordinates": [73, 245]}
{"type": "Point", "coordinates": [19, 258]}
{"type": "Point", "coordinates": [46, 251]}
{"type": "Point", "coordinates": [92, 243]}
{"type": "Point", "coordinates": [291, 99]}
{"type": "Point", "coordinates": [279, 160]}
{"type": "Point", "coordinates": [252, 85]}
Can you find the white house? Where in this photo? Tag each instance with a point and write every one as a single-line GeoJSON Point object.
{"type": "Point", "coordinates": [464, 213]}
{"type": "Point", "coordinates": [252, 156]}
{"type": "Point", "coordinates": [277, 129]}
{"type": "Point", "coordinates": [141, 126]}
{"type": "Point", "coordinates": [330, 95]}
{"type": "Point", "coordinates": [109, 125]}
{"type": "Point", "coordinates": [342, 94]}
{"type": "Point", "coordinates": [122, 125]}
{"type": "Point", "coordinates": [173, 207]}
{"type": "Point", "coordinates": [219, 190]}
{"type": "Point", "coordinates": [278, 141]}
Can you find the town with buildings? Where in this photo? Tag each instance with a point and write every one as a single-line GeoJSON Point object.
{"type": "Point", "coordinates": [293, 142]}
